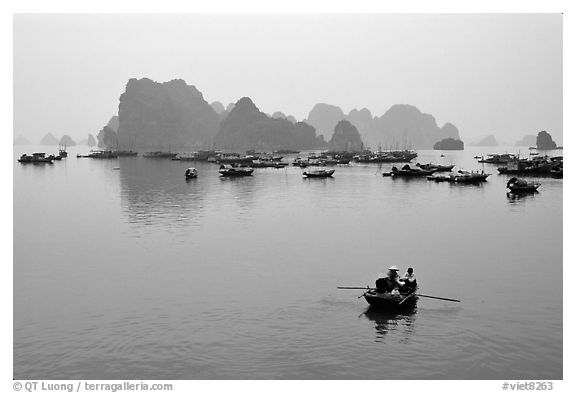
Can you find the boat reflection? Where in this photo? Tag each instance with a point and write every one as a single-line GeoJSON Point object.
{"type": "Point", "coordinates": [517, 197]}
{"type": "Point", "coordinates": [389, 323]}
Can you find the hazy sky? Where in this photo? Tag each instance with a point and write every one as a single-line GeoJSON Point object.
{"type": "Point", "coordinates": [485, 73]}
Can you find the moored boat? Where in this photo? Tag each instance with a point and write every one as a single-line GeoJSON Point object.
{"type": "Point", "coordinates": [521, 185]}
{"type": "Point", "coordinates": [435, 167]}
{"type": "Point", "coordinates": [159, 154]}
{"type": "Point", "coordinates": [320, 172]}
{"type": "Point", "coordinates": [407, 171]}
{"type": "Point", "coordinates": [35, 158]}
{"type": "Point", "coordinates": [230, 170]}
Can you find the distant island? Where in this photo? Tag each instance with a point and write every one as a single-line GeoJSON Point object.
{"type": "Point", "coordinates": [402, 126]}
{"type": "Point", "coordinates": [345, 138]}
{"type": "Point", "coordinates": [49, 140]}
{"type": "Point", "coordinates": [449, 144]}
{"type": "Point", "coordinates": [66, 140]}
{"type": "Point", "coordinates": [175, 115]}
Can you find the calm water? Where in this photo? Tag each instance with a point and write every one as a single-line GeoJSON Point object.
{"type": "Point", "coordinates": [123, 270]}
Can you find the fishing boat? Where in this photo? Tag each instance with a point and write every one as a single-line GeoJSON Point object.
{"type": "Point", "coordinates": [62, 152]}
{"type": "Point", "coordinates": [469, 177]}
{"type": "Point", "coordinates": [498, 159]}
{"type": "Point", "coordinates": [407, 171]}
{"type": "Point", "coordinates": [391, 301]}
{"type": "Point", "coordinates": [35, 158]}
{"type": "Point", "coordinates": [436, 167]}
{"type": "Point", "coordinates": [191, 173]}
{"type": "Point", "coordinates": [230, 170]}
{"type": "Point", "coordinates": [461, 177]}
{"type": "Point", "coordinates": [521, 185]}
{"type": "Point", "coordinates": [535, 166]}
{"type": "Point", "coordinates": [102, 154]}
{"type": "Point", "coordinates": [159, 154]}
{"type": "Point", "coordinates": [318, 173]}
{"type": "Point", "coordinates": [126, 153]}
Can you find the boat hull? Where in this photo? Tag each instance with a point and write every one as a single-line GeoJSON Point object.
{"type": "Point", "coordinates": [389, 302]}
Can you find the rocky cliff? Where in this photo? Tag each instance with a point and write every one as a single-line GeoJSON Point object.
{"type": "Point", "coordinates": [345, 138]}
{"type": "Point", "coordinates": [91, 141]}
{"type": "Point", "coordinates": [49, 140]}
{"type": "Point", "coordinates": [449, 144]}
{"type": "Point", "coordinates": [165, 115]}
{"type": "Point", "coordinates": [544, 141]}
{"type": "Point", "coordinates": [108, 138]}
{"type": "Point", "coordinates": [246, 127]}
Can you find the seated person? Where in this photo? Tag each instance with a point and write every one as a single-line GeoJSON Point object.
{"type": "Point", "coordinates": [386, 284]}
{"type": "Point", "coordinates": [409, 281]}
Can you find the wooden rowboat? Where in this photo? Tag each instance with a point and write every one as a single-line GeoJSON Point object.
{"type": "Point", "coordinates": [389, 301]}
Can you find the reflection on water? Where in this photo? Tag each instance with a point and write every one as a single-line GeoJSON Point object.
{"type": "Point", "coordinates": [387, 323]}
{"type": "Point", "coordinates": [515, 197]}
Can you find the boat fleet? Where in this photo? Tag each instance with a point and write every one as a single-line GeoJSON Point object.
{"type": "Point", "coordinates": [314, 165]}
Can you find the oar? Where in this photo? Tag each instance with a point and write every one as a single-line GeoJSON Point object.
{"type": "Point", "coordinates": [366, 287]}
{"type": "Point", "coordinates": [440, 298]}
{"type": "Point", "coordinates": [406, 298]}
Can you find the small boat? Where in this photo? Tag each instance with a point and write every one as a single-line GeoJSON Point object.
{"type": "Point", "coordinates": [159, 154]}
{"type": "Point", "coordinates": [498, 159]}
{"type": "Point", "coordinates": [391, 301]}
{"type": "Point", "coordinates": [318, 173]}
{"type": "Point", "coordinates": [469, 177]}
{"type": "Point", "coordinates": [62, 152]}
{"type": "Point", "coordinates": [435, 167]}
{"type": "Point", "coordinates": [230, 170]}
{"type": "Point", "coordinates": [191, 173]}
{"type": "Point", "coordinates": [406, 171]}
{"type": "Point", "coordinates": [35, 158]}
{"type": "Point", "coordinates": [521, 185]}
{"type": "Point", "coordinates": [102, 154]}
{"type": "Point", "coordinates": [126, 153]}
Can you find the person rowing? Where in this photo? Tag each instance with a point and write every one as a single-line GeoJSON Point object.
{"type": "Point", "coordinates": [390, 282]}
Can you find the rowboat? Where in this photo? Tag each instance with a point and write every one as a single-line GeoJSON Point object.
{"type": "Point", "coordinates": [389, 301]}
{"type": "Point", "coordinates": [406, 171]}
{"type": "Point", "coordinates": [191, 173]}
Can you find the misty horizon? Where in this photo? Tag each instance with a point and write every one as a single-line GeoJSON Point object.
{"type": "Point", "coordinates": [489, 74]}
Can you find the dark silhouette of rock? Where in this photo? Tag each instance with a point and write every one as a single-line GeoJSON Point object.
{"type": "Point", "coordinates": [544, 141]}
{"type": "Point", "coordinates": [218, 107]}
{"type": "Point", "coordinates": [164, 116]}
{"type": "Point", "coordinates": [489, 141]}
{"type": "Point", "coordinates": [449, 144]}
{"type": "Point", "coordinates": [107, 138]}
{"type": "Point", "coordinates": [91, 140]}
{"type": "Point", "coordinates": [246, 128]}
{"type": "Point", "coordinates": [401, 127]}
{"type": "Point", "coordinates": [324, 118]}
{"type": "Point", "coordinates": [114, 123]}
{"type": "Point", "coordinates": [21, 141]}
{"type": "Point", "coordinates": [66, 140]}
{"type": "Point", "coordinates": [528, 140]}
{"type": "Point", "coordinates": [49, 140]}
{"type": "Point", "coordinates": [345, 138]}
{"type": "Point", "coordinates": [404, 126]}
